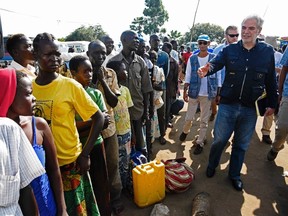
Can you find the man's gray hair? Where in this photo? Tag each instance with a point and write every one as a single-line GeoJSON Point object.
{"type": "Point", "coordinates": [259, 20]}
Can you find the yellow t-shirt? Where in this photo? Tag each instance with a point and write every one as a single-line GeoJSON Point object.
{"type": "Point", "coordinates": [58, 103]}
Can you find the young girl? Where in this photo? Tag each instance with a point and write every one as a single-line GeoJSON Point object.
{"type": "Point", "coordinates": [81, 69]}
{"type": "Point", "coordinates": [122, 119]}
{"type": "Point", "coordinates": [47, 188]}
{"type": "Point", "coordinates": [157, 78]}
{"type": "Point", "coordinates": [19, 163]}
{"type": "Point", "coordinates": [58, 100]}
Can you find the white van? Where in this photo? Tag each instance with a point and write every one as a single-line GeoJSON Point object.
{"type": "Point", "coordinates": [79, 46]}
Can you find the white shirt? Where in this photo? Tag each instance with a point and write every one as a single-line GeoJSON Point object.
{"type": "Point", "coordinates": [278, 56]}
{"type": "Point", "coordinates": [19, 165]}
{"type": "Point", "coordinates": [203, 87]}
{"type": "Point", "coordinates": [175, 55]}
{"type": "Point", "coordinates": [29, 70]}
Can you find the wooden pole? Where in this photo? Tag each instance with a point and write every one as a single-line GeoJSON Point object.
{"type": "Point", "coordinates": [194, 19]}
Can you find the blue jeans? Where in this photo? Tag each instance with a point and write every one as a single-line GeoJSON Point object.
{"type": "Point", "coordinates": [238, 119]}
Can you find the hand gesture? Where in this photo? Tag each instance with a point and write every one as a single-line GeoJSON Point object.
{"type": "Point", "coordinates": [202, 71]}
{"type": "Point", "coordinates": [100, 74]}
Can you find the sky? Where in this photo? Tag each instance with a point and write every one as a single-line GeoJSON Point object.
{"type": "Point", "coordinates": [61, 17]}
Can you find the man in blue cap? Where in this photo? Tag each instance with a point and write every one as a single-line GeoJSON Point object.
{"type": "Point", "coordinates": [200, 91]}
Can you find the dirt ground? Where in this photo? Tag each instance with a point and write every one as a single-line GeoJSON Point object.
{"type": "Point", "coordinates": [265, 188]}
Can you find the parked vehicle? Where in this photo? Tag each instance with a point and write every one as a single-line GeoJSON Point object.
{"type": "Point", "coordinates": [78, 46]}
{"type": "Point", "coordinates": [283, 41]}
{"type": "Point", "coordinates": [193, 45]}
{"type": "Point", "coordinates": [6, 59]}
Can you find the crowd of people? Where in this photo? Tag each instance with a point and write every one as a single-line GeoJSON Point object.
{"type": "Point", "coordinates": [80, 126]}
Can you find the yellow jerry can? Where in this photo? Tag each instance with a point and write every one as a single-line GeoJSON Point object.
{"type": "Point", "coordinates": [149, 183]}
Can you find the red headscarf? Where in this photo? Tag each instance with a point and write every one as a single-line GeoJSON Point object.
{"type": "Point", "coordinates": [8, 86]}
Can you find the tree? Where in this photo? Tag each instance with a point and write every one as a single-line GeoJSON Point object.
{"type": "Point", "coordinates": [215, 32]}
{"type": "Point", "coordinates": [89, 33]}
{"type": "Point", "coordinates": [154, 17]}
{"type": "Point", "coordinates": [138, 24]}
{"type": "Point", "coordinates": [174, 34]}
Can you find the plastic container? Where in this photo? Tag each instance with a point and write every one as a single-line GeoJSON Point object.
{"type": "Point", "coordinates": [149, 183]}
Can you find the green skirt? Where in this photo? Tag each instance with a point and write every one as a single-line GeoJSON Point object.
{"type": "Point", "coordinates": [79, 196]}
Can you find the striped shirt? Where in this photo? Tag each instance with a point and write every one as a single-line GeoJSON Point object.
{"type": "Point", "coordinates": [19, 165]}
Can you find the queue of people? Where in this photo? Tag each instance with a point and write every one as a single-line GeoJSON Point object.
{"type": "Point", "coordinates": [81, 129]}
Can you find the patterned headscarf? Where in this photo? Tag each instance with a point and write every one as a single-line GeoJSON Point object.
{"type": "Point", "coordinates": [7, 89]}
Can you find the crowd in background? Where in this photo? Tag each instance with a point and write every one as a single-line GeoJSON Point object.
{"type": "Point", "coordinates": [85, 117]}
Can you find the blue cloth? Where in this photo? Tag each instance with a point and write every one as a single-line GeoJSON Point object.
{"type": "Point", "coordinates": [216, 51]}
{"type": "Point", "coordinates": [176, 106]}
{"type": "Point", "coordinates": [123, 141]}
{"type": "Point", "coordinates": [248, 73]}
{"type": "Point", "coordinates": [163, 62]}
{"type": "Point", "coordinates": [41, 186]}
{"type": "Point", "coordinates": [284, 62]}
{"type": "Point", "coordinates": [241, 120]}
{"type": "Point", "coordinates": [195, 80]}
{"type": "Point", "coordinates": [198, 50]}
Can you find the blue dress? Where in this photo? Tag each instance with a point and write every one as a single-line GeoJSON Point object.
{"type": "Point", "coordinates": [41, 186]}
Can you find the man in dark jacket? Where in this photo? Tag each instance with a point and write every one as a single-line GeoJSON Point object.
{"type": "Point", "coordinates": [250, 68]}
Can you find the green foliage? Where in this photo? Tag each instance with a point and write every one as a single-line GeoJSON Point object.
{"type": "Point", "coordinates": [215, 32]}
{"type": "Point", "coordinates": [61, 39]}
{"type": "Point", "coordinates": [154, 17]}
{"type": "Point", "coordinates": [174, 34]}
{"type": "Point", "coordinates": [138, 24]}
{"type": "Point", "coordinates": [89, 33]}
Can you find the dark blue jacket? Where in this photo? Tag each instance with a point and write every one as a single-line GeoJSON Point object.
{"type": "Point", "coordinates": [248, 73]}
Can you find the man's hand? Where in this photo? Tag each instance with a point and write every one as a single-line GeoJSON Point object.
{"type": "Point", "coordinates": [269, 111]}
{"type": "Point", "coordinates": [217, 99]}
{"type": "Point", "coordinates": [202, 71]}
{"type": "Point", "coordinates": [107, 120]}
{"type": "Point", "coordinates": [100, 74]}
{"type": "Point", "coordinates": [185, 96]}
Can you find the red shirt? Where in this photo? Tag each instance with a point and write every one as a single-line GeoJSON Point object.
{"type": "Point", "coordinates": [186, 56]}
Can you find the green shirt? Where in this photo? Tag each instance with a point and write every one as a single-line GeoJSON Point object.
{"type": "Point", "coordinates": [97, 97]}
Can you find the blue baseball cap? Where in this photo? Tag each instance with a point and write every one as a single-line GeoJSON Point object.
{"type": "Point", "coordinates": [203, 37]}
